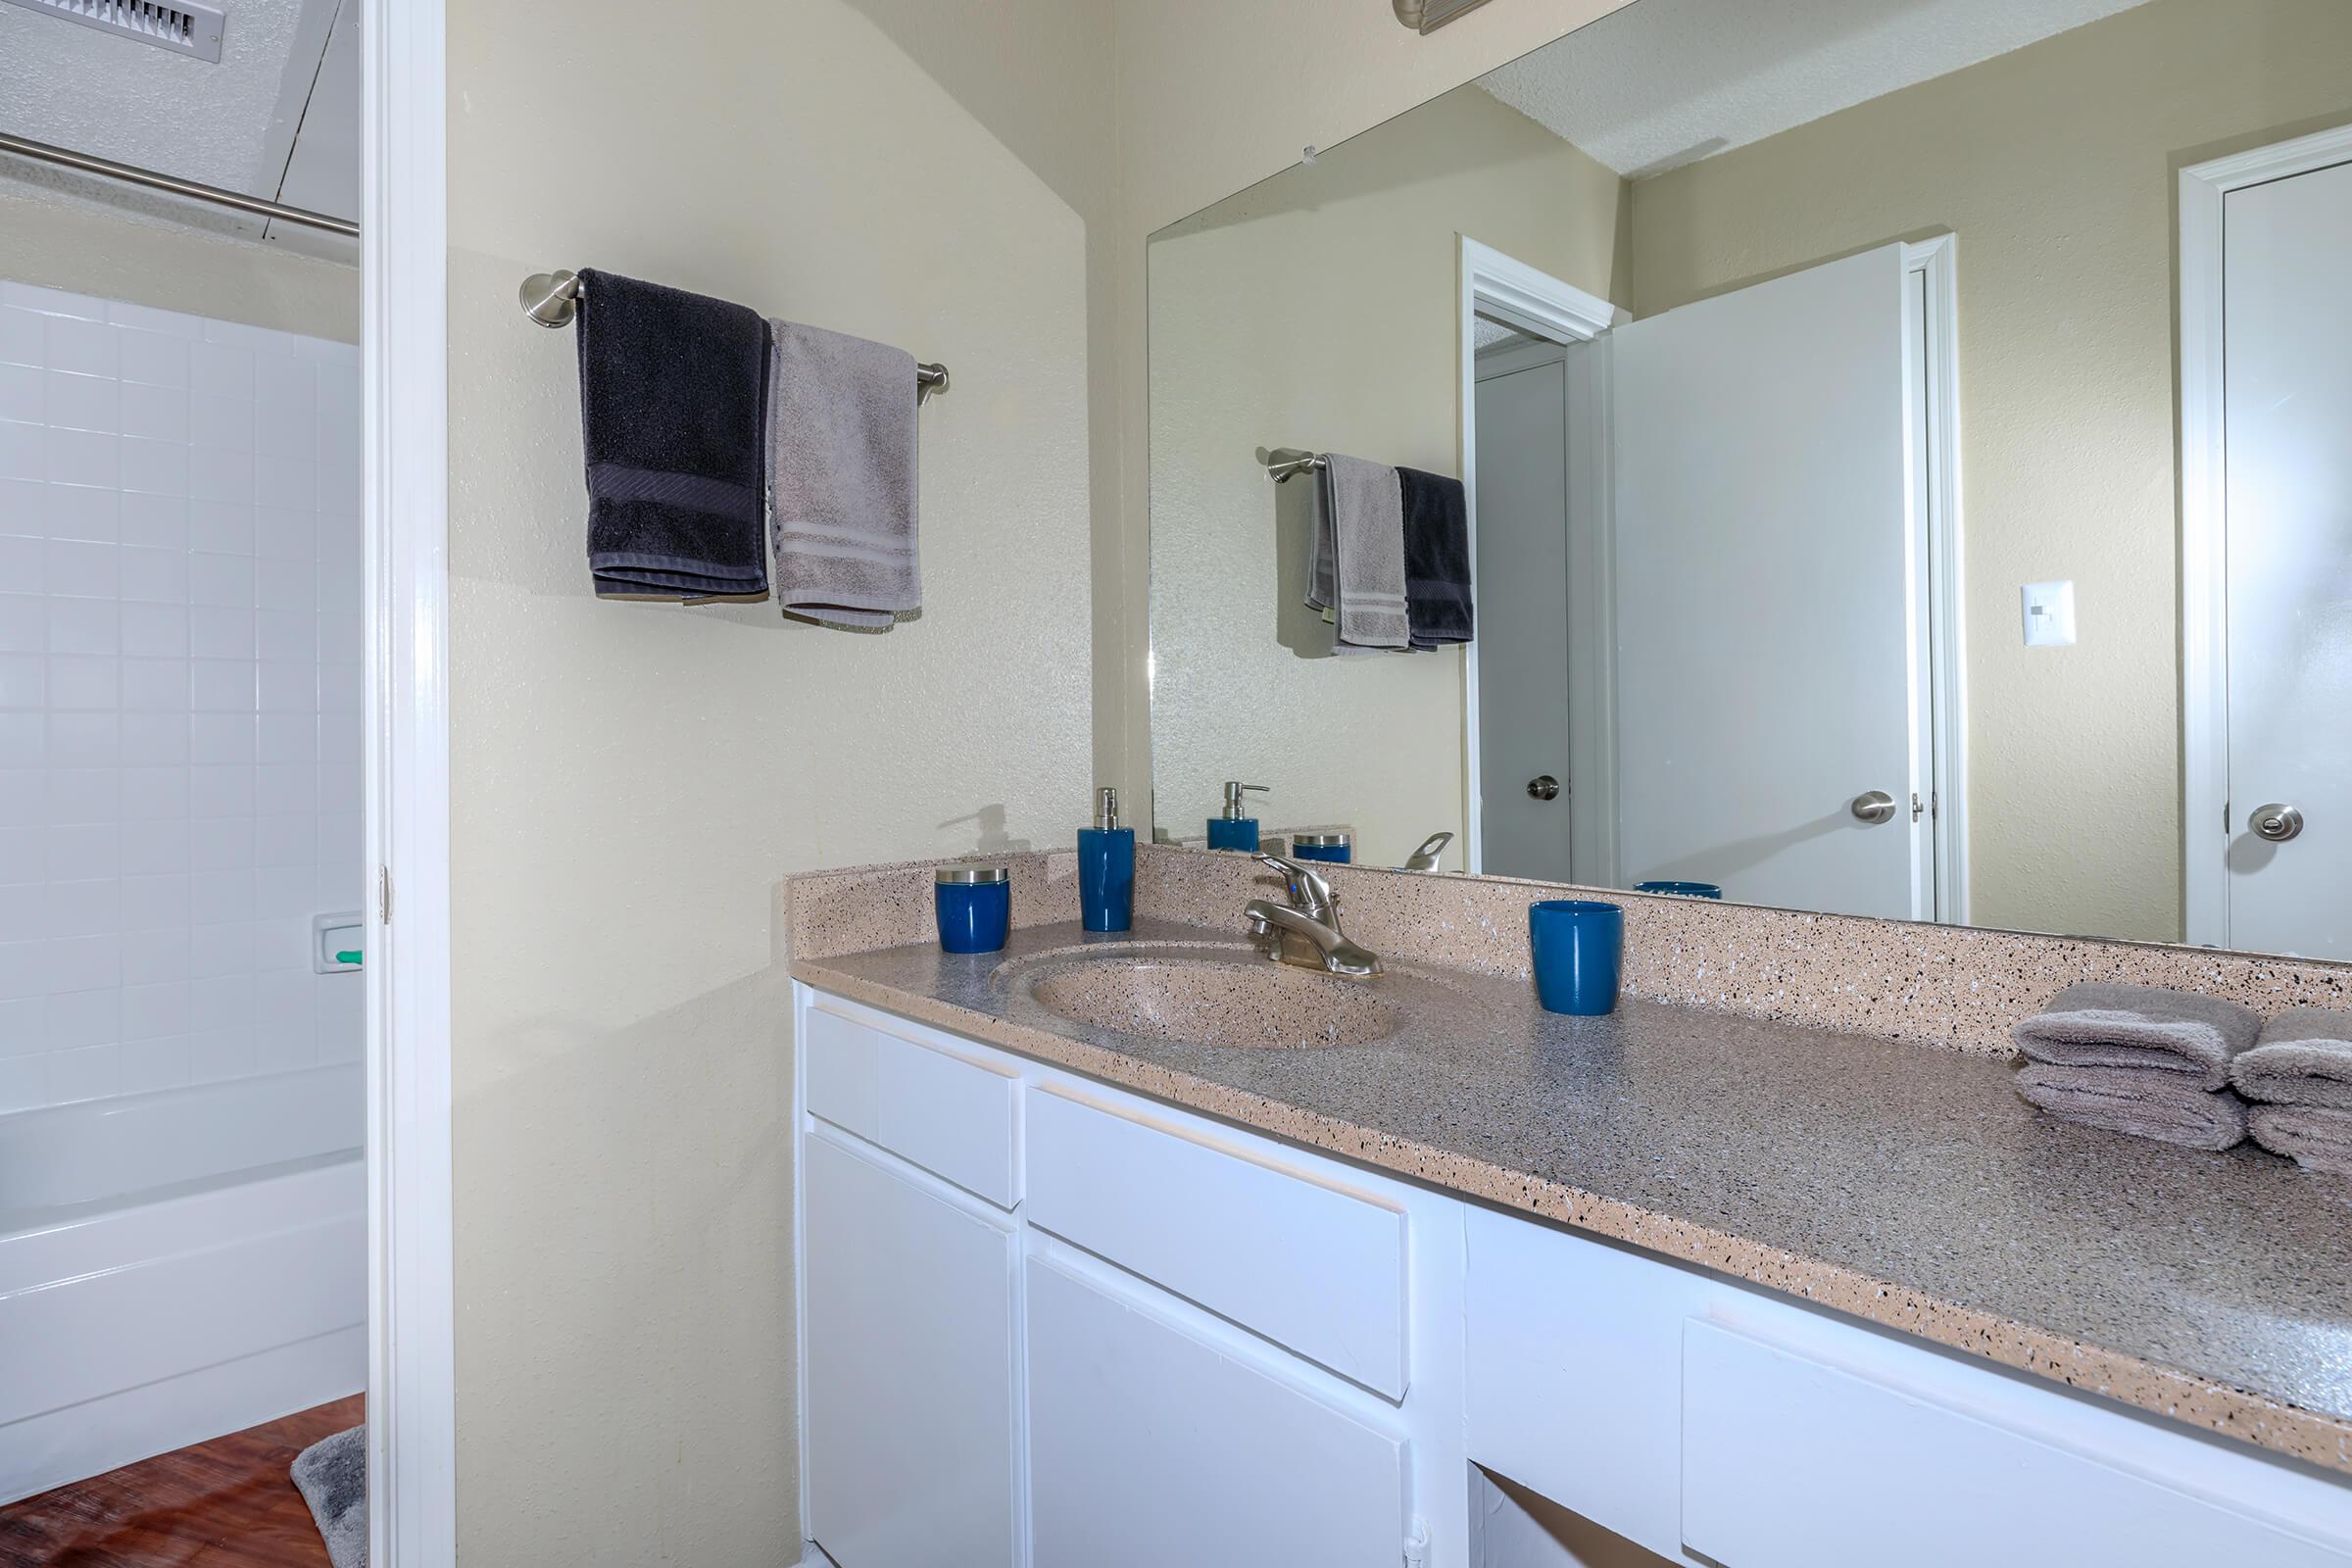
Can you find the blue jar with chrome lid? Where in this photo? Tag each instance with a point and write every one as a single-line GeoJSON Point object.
{"type": "Point", "coordinates": [975, 905]}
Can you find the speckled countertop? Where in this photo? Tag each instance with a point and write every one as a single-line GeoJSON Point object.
{"type": "Point", "coordinates": [1909, 1187]}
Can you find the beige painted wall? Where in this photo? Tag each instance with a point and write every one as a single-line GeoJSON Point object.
{"type": "Point", "coordinates": [631, 781]}
{"type": "Point", "coordinates": [1319, 308]}
{"type": "Point", "coordinates": [1213, 96]}
{"type": "Point", "coordinates": [2055, 166]}
{"type": "Point", "coordinates": [59, 242]}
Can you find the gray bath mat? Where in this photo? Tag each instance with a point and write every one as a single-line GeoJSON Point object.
{"type": "Point", "coordinates": [332, 1475]}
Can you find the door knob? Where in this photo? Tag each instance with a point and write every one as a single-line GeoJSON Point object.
{"type": "Point", "coordinates": [1874, 806]}
{"type": "Point", "coordinates": [1543, 787]}
{"type": "Point", "coordinates": [2276, 823]}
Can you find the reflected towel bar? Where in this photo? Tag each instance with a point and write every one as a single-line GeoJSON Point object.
{"type": "Point", "coordinates": [1283, 462]}
{"type": "Point", "coordinates": [552, 298]}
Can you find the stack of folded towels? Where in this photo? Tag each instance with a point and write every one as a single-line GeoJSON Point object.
{"type": "Point", "coordinates": [2299, 1075]}
{"type": "Point", "coordinates": [2142, 1060]}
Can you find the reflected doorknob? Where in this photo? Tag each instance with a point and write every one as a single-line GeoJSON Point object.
{"type": "Point", "coordinates": [2276, 823]}
{"type": "Point", "coordinates": [1874, 805]}
{"type": "Point", "coordinates": [1543, 787]}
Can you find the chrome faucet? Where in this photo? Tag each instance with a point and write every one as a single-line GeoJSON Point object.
{"type": "Point", "coordinates": [1307, 931]}
{"type": "Point", "coordinates": [1425, 858]}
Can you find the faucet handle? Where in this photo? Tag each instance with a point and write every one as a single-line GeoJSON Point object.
{"type": "Point", "coordinates": [1305, 886]}
{"type": "Point", "coordinates": [1425, 858]}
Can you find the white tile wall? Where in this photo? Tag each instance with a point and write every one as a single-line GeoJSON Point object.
{"type": "Point", "coordinates": [180, 689]}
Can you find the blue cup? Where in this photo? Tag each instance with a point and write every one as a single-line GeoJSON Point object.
{"type": "Point", "coordinates": [1685, 890]}
{"type": "Point", "coordinates": [1334, 848]}
{"type": "Point", "coordinates": [1578, 945]}
{"type": "Point", "coordinates": [975, 905]}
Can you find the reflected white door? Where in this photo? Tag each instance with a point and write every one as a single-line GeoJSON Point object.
{"type": "Point", "coordinates": [1769, 586]}
{"type": "Point", "coordinates": [2288, 415]}
{"type": "Point", "coordinates": [1523, 614]}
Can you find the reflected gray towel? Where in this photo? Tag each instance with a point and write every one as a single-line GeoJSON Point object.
{"type": "Point", "coordinates": [2315, 1138]}
{"type": "Point", "coordinates": [2163, 1105]}
{"type": "Point", "coordinates": [842, 476]}
{"type": "Point", "coordinates": [2105, 1025]}
{"type": "Point", "coordinates": [1357, 574]}
{"type": "Point", "coordinates": [332, 1475]}
{"type": "Point", "coordinates": [2304, 1058]}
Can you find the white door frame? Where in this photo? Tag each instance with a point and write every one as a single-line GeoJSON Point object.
{"type": "Point", "coordinates": [2204, 521]}
{"type": "Point", "coordinates": [1934, 263]}
{"type": "Point", "coordinates": [412, 1421]}
{"type": "Point", "coordinates": [1494, 284]}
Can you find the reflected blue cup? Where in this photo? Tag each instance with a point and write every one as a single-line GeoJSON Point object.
{"type": "Point", "coordinates": [1578, 946]}
{"type": "Point", "coordinates": [1685, 890]}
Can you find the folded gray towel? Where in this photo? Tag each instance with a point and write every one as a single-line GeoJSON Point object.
{"type": "Point", "coordinates": [2315, 1138]}
{"type": "Point", "coordinates": [1358, 573]}
{"type": "Point", "coordinates": [2104, 1025]}
{"type": "Point", "coordinates": [2304, 1058]}
{"type": "Point", "coordinates": [2162, 1105]}
{"type": "Point", "coordinates": [842, 476]}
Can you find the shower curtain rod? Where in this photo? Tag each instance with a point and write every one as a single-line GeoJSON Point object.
{"type": "Point", "coordinates": [195, 191]}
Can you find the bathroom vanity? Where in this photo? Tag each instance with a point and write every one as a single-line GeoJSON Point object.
{"type": "Point", "coordinates": [1084, 1286]}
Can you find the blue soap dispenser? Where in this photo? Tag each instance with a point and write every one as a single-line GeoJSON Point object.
{"type": "Point", "coordinates": [1230, 830]}
{"type": "Point", "coordinates": [1106, 868]}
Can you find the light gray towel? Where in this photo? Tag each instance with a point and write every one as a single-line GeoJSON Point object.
{"type": "Point", "coordinates": [2304, 1058]}
{"type": "Point", "coordinates": [842, 476]}
{"type": "Point", "coordinates": [1358, 573]}
{"type": "Point", "coordinates": [2315, 1138]}
{"type": "Point", "coordinates": [2105, 1025]}
{"type": "Point", "coordinates": [2163, 1105]}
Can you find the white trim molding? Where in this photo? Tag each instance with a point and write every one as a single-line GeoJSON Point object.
{"type": "Point", "coordinates": [2204, 519]}
{"type": "Point", "coordinates": [1934, 263]}
{"type": "Point", "coordinates": [1508, 290]}
{"type": "Point", "coordinates": [411, 1419]}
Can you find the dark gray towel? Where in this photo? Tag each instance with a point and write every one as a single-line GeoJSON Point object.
{"type": "Point", "coordinates": [1437, 559]}
{"type": "Point", "coordinates": [2315, 1138]}
{"type": "Point", "coordinates": [332, 1475]}
{"type": "Point", "coordinates": [2165, 1105]}
{"type": "Point", "coordinates": [2099, 1024]}
{"type": "Point", "coordinates": [672, 397]}
{"type": "Point", "coordinates": [2304, 1058]}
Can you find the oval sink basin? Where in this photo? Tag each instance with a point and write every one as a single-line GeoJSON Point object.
{"type": "Point", "coordinates": [1258, 1006]}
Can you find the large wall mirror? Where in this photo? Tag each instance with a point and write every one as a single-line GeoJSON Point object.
{"type": "Point", "coordinates": [1907, 450]}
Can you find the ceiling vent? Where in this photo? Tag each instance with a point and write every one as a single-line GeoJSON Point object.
{"type": "Point", "coordinates": [185, 28]}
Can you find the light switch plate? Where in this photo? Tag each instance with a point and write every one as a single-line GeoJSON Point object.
{"type": "Point", "coordinates": [2049, 609]}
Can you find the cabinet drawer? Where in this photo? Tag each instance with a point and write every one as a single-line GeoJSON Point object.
{"type": "Point", "coordinates": [1789, 1461]}
{"type": "Point", "coordinates": [954, 1117]}
{"type": "Point", "coordinates": [1286, 1252]}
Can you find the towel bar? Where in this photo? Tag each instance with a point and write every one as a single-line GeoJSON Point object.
{"type": "Point", "coordinates": [1285, 463]}
{"type": "Point", "coordinates": [552, 298]}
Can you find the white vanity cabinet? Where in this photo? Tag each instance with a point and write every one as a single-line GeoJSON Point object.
{"type": "Point", "coordinates": [1047, 1322]}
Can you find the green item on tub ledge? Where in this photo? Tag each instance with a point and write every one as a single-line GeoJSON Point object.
{"type": "Point", "coordinates": [350, 957]}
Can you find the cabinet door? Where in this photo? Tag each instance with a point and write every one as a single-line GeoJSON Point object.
{"type": "Point", "coordinates": [911, 1389]}
{"type": "Point", "coordinates": [1151, 1448]}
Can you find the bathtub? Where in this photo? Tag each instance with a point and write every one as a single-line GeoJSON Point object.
{"type": "Point", "coordinates": [178, 1265]}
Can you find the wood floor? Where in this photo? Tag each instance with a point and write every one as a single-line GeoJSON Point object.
{"type": "Point", "coordinates": [226, 1503]}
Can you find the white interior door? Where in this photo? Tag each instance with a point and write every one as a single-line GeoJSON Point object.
{"type": "Point", "coordinates": [2287, 410]}
{"type": "Point", "coordinates": [1768, 591]}
{"type": "Point", "coordinates": [1523, 614]}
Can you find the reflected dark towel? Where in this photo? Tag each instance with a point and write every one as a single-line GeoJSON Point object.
{"type": "Point", "coordinates": [673, 393]}
{"type": "Point", "coordinates": [1437, 559]}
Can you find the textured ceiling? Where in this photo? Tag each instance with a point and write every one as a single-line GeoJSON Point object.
{"type": "Point", "coordinates": [232, 125]}
{"type": "Point", "coordinates": [1664, 83]}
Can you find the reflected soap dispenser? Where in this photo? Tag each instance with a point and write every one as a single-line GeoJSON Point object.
{"type": "Point", "coordinates": [1106, 868]}
{"type": "Point", "coordinates": [1230, 830]}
